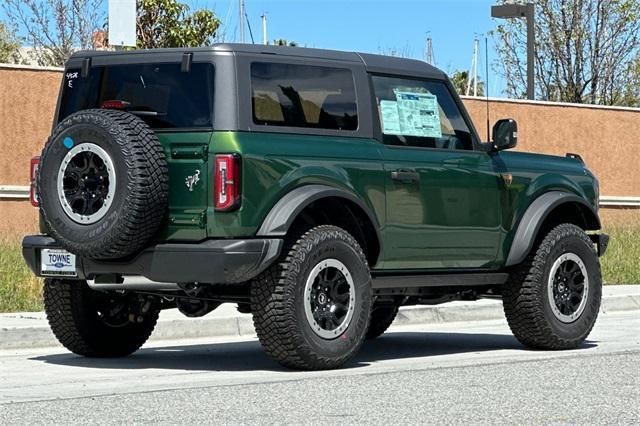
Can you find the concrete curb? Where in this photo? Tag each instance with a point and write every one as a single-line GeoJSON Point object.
{"type": "Point", "coordinates": [172, 326]}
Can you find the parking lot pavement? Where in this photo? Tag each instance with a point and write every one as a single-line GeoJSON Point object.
{"type": "Point", "coordinates": [30, 329]}
{"type": "Point", "coordinates": [438, 373]}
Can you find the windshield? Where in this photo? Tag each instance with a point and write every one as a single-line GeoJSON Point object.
{"type": "Point", "coordinates": [160, 94]}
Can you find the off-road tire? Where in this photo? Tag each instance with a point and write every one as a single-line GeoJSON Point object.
{"type": "Point", "coordinates": [140, 201]}
{"type": "Point", "coordinates": [73, 318]}
{"type": "Point", "coordinates": [382, 317]}
{"type": "Point", "coordinates": [525, 295]}
{"type": "Point", "coordinates": [277, 302]}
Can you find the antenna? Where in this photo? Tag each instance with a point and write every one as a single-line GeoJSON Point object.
{"type": "Point", "coordinates": [249, 26]}
{"type": "Point", "coordinates": [486, 83]}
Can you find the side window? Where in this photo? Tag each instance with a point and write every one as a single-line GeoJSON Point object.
{"type": "Point", "coordinates": [303, 96]}
{"type": "Point", "coordinates": [419, 113]}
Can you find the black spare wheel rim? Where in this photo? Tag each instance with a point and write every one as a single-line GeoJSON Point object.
{"type": "Point", "coordinates": [102, 184]}
{"type": "Point", "coordinates": [86, 183]}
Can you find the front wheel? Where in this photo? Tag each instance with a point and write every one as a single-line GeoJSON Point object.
{"type": "Point", "coordinates": [97, 324]}
{"type": "Point", "coordinates": [311, 310]}
{"type": "Point", "coordinates": [552, 299]}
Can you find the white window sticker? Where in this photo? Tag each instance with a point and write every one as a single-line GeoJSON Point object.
{"type": "Point", "coordinates": [417, 114]}
{"type": "Point", "coordinates": [390, 117]}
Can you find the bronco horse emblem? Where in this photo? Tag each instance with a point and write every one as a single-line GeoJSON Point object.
{"type": "Point", "coordinates": [191, 181]}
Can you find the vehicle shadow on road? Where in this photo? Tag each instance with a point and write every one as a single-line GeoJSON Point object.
{"type": "Point", "coordinates": [248, 355]}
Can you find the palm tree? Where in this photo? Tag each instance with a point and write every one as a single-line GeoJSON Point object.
{"type": "Point", "coordinates": [460, 79]}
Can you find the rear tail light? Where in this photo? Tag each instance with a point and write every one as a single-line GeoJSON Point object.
{"type": "Point", "coordinates": [33, 172]}
{"type": "Point", "coordinates": [226, 185]}
{"type": "Point", "coordinates": [115, 104]}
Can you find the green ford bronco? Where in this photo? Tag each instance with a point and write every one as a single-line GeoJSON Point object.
{"type": "Point", "coordinates": [317, 190]}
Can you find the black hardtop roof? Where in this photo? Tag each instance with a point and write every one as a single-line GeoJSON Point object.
{"type": "Point", "coordinates": [372, 62]}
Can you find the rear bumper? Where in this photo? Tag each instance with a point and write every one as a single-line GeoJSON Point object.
{"type": "Point", "coordinates": [211, 261]}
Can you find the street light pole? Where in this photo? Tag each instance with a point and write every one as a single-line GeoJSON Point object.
{"type": "Point", "coordinates": [241, 20]}
{"type": "Point", "coordinates": [526, 11]}
{"type": "Point", "coordinates": [265, 40]}
{"type": "Point", "coordinates": [531, 43]}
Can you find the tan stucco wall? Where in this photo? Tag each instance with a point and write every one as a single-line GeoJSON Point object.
{"type": "Point", "coordinates": [27, 104]}
{"type": "Point", "coordinates": [608, 139]}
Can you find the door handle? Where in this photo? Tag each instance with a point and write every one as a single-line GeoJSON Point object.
{"type": "Point", "coordinates": [405, 175]}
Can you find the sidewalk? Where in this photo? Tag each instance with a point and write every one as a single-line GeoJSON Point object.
{"type": "Point", "coordinates": [30, 329]}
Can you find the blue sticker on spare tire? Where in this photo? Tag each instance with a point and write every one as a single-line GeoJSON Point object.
{"type": "Point", "coordinates": [68, 142]}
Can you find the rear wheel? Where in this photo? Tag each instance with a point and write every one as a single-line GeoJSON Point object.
{"type": "Point", "coordinates": [382, 317]}
{"type": "Point", "coordinates": [552, 299]}
{"type": "Point", "coordinates": [311, 310]}
{"type": "Point", "coordinates": [97, 324]}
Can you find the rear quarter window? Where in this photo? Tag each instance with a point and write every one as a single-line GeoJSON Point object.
{"type": "Point", "coordinates": [160, 94]}
{"type": "Point", "coordinates": [304, 96]}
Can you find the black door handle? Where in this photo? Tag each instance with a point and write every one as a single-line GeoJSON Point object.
{"type": "Point", "coordinates": [405, 175]}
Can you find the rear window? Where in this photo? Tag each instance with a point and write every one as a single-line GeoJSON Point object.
{"type": "Point", "coordinates": [160, 94]}
{"type": "Point", "coordinates": [303, 96]}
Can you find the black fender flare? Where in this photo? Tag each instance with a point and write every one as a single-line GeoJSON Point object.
{"type": "Point", "coordinates": [284, 212]}
{"type": "Point", "coordinates": [535, 215]}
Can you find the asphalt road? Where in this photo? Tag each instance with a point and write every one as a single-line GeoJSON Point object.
{"type": "Point", "coordinates": [451, 373]}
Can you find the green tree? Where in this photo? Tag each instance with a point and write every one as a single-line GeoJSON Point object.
{"type": "Point", "coordinates": [283, 42]}
{"type": "Point", "coordinates": [9, 44]}
{"type": "Point", "coordinates": [169, 23]}
{"type": "Point", "coordinates": [631, 92]}
{"type": "Point", "coordinates": [584, 51]}
{"type": "Point", "coordinates": [460, 80]}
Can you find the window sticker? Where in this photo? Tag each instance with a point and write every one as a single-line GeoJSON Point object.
{"type": "Point", "coordinates": [390, 117]}
{"type": "Point", "coordinates": [417, 114]}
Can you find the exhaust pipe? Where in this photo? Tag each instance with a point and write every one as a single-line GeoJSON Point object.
{"type": "Point", "coordinates": [130, 283]}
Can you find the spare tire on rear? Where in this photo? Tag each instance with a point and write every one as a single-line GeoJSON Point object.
{"type": "Point", "coordinates": [103, 184]}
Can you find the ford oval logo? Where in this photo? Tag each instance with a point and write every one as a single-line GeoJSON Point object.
{"type": "Point", "coordinates": [58, 265]}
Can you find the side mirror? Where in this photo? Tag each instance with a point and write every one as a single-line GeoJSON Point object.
{"type": "Point", "coordinates": [505, 134]}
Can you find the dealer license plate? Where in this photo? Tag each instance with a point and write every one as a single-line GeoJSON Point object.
{"type": "Point", "coordinates": [57, 263]}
